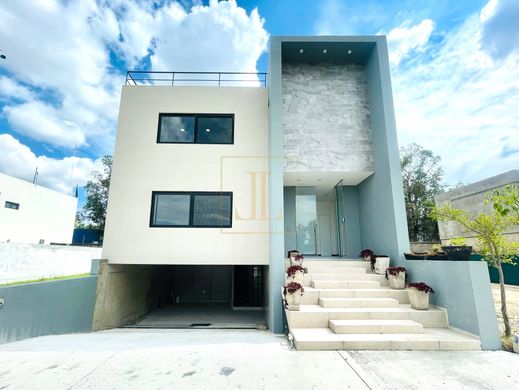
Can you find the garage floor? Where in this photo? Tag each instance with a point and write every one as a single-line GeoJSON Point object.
{"type": "Point", "coordinates": [202, 315]}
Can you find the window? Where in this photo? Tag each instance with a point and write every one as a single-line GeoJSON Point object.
{"type": "Point", "coordinates": [191, 209]}
{"type": "Point", "coordinates": [196, 128]}
{"type": "Point", "coordinates": [12, 205]}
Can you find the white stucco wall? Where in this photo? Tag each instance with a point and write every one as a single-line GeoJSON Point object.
{"type": "Point", "coordinates": [32, 261]}
{"type": "Point", "coordinates": [141, 166]}
{"type": "Point", "coordinates": [43, 213]}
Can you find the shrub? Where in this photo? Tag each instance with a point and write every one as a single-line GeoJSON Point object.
{"type": "Point", "coordinates": [421, 286]}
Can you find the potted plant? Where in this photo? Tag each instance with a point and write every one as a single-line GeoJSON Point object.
{"type": "Point", "coordinates": [396, 277]}
{"type": "Point", "coordinates": [292, 253]}
{"type": "Point", "coordinates": [292, 293]}
{"type": "Point", "coordinates": [297, 260]}
{"type": "Point", "coordinates": [419, 295]}
{"type": "Point", "coordinates": [458, 250]}
{"type": "Point", "coordinates": [415, 256]}
{"type": "Point", "coordinates": [437, 253]}
{"type": "Point", "coordinates": [295, 273]}
{"type": "Point", "coordinates": [379, 264]}
{"type": "Point", "coordinates": [367, 254]}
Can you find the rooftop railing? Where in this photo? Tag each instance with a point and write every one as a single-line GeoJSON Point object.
{"type": "Point", "coordinates": [219, 79]}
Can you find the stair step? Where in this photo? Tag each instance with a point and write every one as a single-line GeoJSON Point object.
{"type": "Point", "coordinates": [348, 277]}
{"type": "Point", "coordinates": [344, 284]}
{"type": "Point", "coordinates": [335, 270]}
{"type": "Point", "coordinates": [312, 295]}
{"type": "Point", "coordinates": [430, 339]}
{"type": "Point", "coordinates": [315, 316]}
{"type": "Point", "coordinates": [358, 302]}
{"type": "Point", "coordinates": [336, 263]}
{"type": "Point", "coordinates": [375, 326]}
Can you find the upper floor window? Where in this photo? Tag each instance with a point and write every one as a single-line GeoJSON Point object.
{"type": "Point", "coordinates": [196, 128]}
{"type": "Point", "coordinates": [12, 205]}
{"type": "Point", "coordinates": [191, 209]}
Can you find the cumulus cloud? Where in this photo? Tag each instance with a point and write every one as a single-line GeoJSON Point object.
{"type": "Point", "coordinates": [63, 174]}
{"type": "Point", "coordinates": [462, 104]}
{"type": "Point", "coordinates": [405, 38]}
{"type": "Point", "coordinates": [66, 59]}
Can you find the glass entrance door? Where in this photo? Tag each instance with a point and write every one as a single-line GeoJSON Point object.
{"type": "Point", "coordinates": [306, 224]}
{"type": "Point", "coordinates": [341, 221]}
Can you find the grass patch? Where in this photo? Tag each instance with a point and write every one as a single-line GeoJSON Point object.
{"type": "Point", "coordinates": [44, 280]}
{"type": "Point", "coordinates": [507, 343]}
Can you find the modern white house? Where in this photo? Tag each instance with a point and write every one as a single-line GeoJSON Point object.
{"type": "Point", "coordinates": [216, 176]}
{"type": "Point", "coordinates": [30, 213]}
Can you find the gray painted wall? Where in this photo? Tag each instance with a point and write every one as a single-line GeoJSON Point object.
{"type": "Point", "coordinates": [463, 288]}
{"type": "Point", "coordinates": [326, 118]}
{"type": "Point", "coordinates": [38, 309]}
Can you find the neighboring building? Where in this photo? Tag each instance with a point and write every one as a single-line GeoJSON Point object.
{"type": "Point", "coordinates": [211, 185]}
{"type": "Point", "coordinates": [471, 198]}
{"type": "Point", "coordinates": [30, 213]}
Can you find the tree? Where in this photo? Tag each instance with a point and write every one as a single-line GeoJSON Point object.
{"type": "Point", "coordinates": [495, 249]}
{"type": "Point", "coordinates": [505, 200]}
{"type": "Point", "coordinates": [422, 175]}
{"type": "Point", "coordinates": [94, 210]}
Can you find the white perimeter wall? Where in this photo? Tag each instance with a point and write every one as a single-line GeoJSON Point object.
{"type": "Point", "coordinates": [141, 166]}
{"type": "Point", "coordinates": [43, 213]}
{"type": "Point", "coordinates": [31, 261]}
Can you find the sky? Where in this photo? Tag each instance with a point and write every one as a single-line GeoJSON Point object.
{"type": "Point", "coordinates": [454, 68]}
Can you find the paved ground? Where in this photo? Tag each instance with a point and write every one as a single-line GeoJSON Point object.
{"type": "Point", "coordinates": [512, 304]}
{"type": "Point", "coordinates": [236, 359]}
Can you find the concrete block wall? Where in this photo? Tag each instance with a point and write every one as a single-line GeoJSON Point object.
{"type": "Point", "coordinates": [326, 118]}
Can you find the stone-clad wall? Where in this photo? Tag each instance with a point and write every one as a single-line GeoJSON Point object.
{"type": "Point", "coordinates": [326, 118]}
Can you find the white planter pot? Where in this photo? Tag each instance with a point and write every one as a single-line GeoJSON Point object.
{"type": "Point", "coordinates": [294, 300]}
{"type": "Point", "coordinates": [294, 261]}
{"type": "Point", "coordinates": [367, 258]}
{"type": "Point", "coordinates": [397, 282]}
{"type": "Point", "coordinates": [381, 264]}
{"type": "Point", "coordinates": [419, 299]}
{"type": "Point", "coordinates": [297, 277]}
{"type": "Point", "coordinates": [516, 343]}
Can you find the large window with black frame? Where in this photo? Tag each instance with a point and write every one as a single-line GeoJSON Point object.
{"type": "Point", "coordinates": [191, 209]}
{"type": "Point", "coordinates": [196, 129]}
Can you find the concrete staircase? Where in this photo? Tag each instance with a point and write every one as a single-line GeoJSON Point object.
{"type": "Point", "coordinates": [346, 306]}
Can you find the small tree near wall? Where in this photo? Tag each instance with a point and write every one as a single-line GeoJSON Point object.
{"type": "Point", "coordinates": [495, 249]}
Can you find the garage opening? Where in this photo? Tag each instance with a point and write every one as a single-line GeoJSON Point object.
{"type": "Point", "coordinates": [206, 296]}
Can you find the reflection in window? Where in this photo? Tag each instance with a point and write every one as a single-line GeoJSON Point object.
{"type": "Point", "coordinates": [12, 205]}
{"type": "Point", "coordinates": [176, 128]}
{"type": "Point", "coordinates": [214, 130]}
{"type": "Point", "coordinates": [171, 210]}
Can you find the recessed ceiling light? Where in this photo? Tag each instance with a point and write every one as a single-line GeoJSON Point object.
{"type": "Point", "coordinates": [182, 130]}
{"type": "Point", "coordinates": [301, 51]}
{"type": "Point", "coordinates": [325, 51]}
{"type": "Point", "coordinates": [349, 51]}
{"type": "Point", "coordinates": [207, 130]}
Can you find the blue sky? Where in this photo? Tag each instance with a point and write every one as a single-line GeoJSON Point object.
{"type": "Point", "coordinates": [454, 65]}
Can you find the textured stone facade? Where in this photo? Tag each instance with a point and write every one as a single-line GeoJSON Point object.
{"type": "Point", "coordinates": [326, 118]}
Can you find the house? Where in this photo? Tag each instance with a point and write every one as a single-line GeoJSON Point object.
{"type": "Point", "coordinates": [30, 213]}
{"type": "Point", "coordinates": [216, 176]}
{"type": "Point", "coordinates": [471, 198]}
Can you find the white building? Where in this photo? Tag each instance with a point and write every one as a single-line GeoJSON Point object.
{"type": "Point", "coordinates": [34, 214]}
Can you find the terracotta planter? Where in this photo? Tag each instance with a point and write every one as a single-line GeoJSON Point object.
{"type": "Point", "coordinates": [419, 299]}
{"type": "Point", "coordinates": [397, 282]}
{"type": "Point", "coordinates": [297, 277]}
{"type": "Point", "coordinates": [381, 264]}
{"type": "Point", "coordinates": [294, 300]}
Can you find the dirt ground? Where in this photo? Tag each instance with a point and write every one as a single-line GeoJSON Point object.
{"type": "Point", "coordinates": [512, 300]}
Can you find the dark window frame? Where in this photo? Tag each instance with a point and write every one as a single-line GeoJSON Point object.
{"type": "Point", "coordinates": [195, 138]}
{"type": "Point", "coordinates": [192, 195]}
{"type": "Point", "coordinates": [8, 205]}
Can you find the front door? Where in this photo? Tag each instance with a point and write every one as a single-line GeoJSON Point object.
{"type": "Point", "coordinates": [306, 224]}
{"type": "Point", "coordinates": [341, 220]}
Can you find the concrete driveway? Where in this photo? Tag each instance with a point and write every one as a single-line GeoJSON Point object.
{"type": "Point", "coordinates": [236, 359]}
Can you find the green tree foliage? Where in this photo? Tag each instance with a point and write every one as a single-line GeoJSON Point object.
{"type": "Point", "coordinates": [505, 200]}
{"type": "Point", "coordinates": [93, 214]}
{"type": "Point", "coordinates": [489, 230]}
{"type": "Point", "coordinates": [422, 176]}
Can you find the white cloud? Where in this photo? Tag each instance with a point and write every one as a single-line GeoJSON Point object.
{"type": "Point", "coordinates": [11, 89]}
{"type": "Point", "coordinates": [462, 104]}
{"type": "Point", "coordinates": [405, 38]}
{"type": "Point", "coordinates": [59, 174]}
{"type": "Point", "coordinates": [500, 20]}
{"type": "Point", "coordinates": [62, 89]}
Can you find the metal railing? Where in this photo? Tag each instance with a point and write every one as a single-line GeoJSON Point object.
{"type": "Point", "coordinates": [220, 79]}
